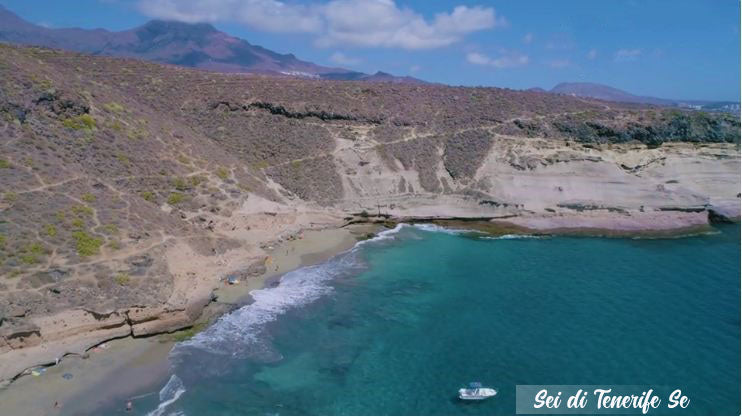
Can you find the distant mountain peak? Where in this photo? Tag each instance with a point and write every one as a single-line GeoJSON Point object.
{"type": "Point", "coordinates": [198, 45]}
{"type": "Point", "coordinates": [10, 20]}
{"type": "Point", "coordinates": [161, 26]}
{"type": "Point", "coordinates": [608, 93]}
{"type": "Point", "coordinates": [594, 90]}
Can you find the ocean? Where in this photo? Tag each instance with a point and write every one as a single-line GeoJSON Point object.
{"type": "Point", "coordinates": [399, 323]}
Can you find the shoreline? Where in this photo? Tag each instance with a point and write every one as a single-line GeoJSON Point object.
{"type": "Point", "coordinates": [113, 371]}
{"type": "Point", "coordinates": [597, 223]}
{"type": "Point", "coordinates": [140, 364]}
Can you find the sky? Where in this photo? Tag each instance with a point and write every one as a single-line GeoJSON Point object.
{"type": "Point", "coordinates": [678, 49]}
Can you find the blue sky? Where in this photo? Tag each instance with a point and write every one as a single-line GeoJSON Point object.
{"type": "Point", "coordinates": [678, 49]}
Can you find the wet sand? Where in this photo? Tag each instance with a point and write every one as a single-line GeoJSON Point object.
{"type": "Point", "coordinates": [120, 369]}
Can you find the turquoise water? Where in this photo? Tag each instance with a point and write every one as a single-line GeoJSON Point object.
{"type": "Point", "coordinates": [399, 324]}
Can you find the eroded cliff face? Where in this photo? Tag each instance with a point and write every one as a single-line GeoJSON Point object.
{"type": "Point", "coordinates": [127, 189]}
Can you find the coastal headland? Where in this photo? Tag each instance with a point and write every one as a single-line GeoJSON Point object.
{"type": "Point", "coordinates": [130, 192]}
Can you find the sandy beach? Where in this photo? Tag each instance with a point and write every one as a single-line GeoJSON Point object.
{"type": "Point", "coordinates": [119, 369]}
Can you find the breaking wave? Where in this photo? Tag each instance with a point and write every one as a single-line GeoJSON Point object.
{"type": "Point", "coordinates": [243, 332]}
{"type": "Point", "coordinates": [429, 227]}
{"type": "Point", "coordinates": [384, 235]}
{"type": "Point", "coordinates": [507, 237]}
{"type": "Point", "coordinates": [168, 395]}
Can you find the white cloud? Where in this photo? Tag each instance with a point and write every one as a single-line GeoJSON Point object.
{"type": "Point", "coordinates": [507, 60]}
{"type": "Point", "coordinates": [528, 38]}
{"type": "Point", "coordinates": [380, 23]}
{"type": "Point", "coordinates": [560, 42]}
{"type": "Point", "coordinates": [342, 59]}
{"type": "Point", "coordinates": [592, 54]}
{"type": "Point", "coordinates": [267, 15]}
{"type": "Point", "coordinates": [362, 23]}
{"type": "Point", "coordinates": [477, 58]}
{"type": "Point", "coordinates": [625, 55]}
{"type": "Point", "coordinates": [559, 63]}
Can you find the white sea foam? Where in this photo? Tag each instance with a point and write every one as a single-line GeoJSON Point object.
{"type": "Point", "coordinates": [506, 237]}
{"type": "Point", "coordinates": [241, 333]}
{"type": "Point", "coordinates": [429, 227]}
{"type": "Point", "coordinates": [384, 235]}
{"type": "Point", "coordinates": [168, 395]}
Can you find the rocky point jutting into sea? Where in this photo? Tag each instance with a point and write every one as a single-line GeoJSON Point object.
{"type": "Point", "coordinates": [129, 189]}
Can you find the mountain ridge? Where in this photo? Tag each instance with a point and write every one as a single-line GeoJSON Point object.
{"type": "Point", "coordinates": [608, 93]}
{"type": "Point", "coordinates": [195, 45]}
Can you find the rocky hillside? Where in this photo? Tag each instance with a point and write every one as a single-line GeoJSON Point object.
{"type": "Point", "coordinates": [116, 173]}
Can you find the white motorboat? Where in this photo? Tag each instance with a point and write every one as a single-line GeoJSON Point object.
{"type": "Point", "coordinates": [476, 392]}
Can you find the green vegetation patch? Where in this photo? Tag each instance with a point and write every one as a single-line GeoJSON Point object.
{"type": "Point", "coordinates": [78, 223]}
{"type": "Point", "coordinates": [148, 195]}
{"type": "Point", "coordinates": [180, 184]}
{"type": "Point", "coordinates": [83, 121]}
{"type": "Point", "coordinates": [111, 229]}
{"type": "Point", "coordinates": [136, 134]}
{"type": "Point", "coordinates": [114, 107]}
{"type": "Point", "coordinates": [122, 278]}
{"type": "Point", "coordinates": [222, 173]}
{"type": "Point", "coordinates": [30, 254]}
{"type": "Point", "coordinates": [82, 210]}
{"type": "Point", "coordinates": [88, 197]}
{"type": "Point", "coordinates": [86, 244]}
{"type": "Point", "coordinates": [196, 180]}
{"type": "Point", "coordinates": [175, 198]}
{"type": "Point", "coordinates": [4, 164]}
{"type": "Point", "coordinates": [50, 230]}
{"type": "Point", "coordinates": [186, 334]}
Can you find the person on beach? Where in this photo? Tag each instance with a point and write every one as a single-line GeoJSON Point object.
{"type": "Point", "coordinates": [129, 406]}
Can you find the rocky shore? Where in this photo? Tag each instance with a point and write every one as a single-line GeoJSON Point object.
{"type": "Point", "coordinates": [48, 339]}
{"type": "Point", "coordinates": [97, 350]}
